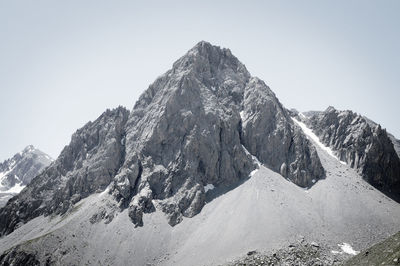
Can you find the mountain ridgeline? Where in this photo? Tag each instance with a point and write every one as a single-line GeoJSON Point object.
{"type": "Point", "coordinates": [362, 144]}
{"type": "Point", "coordinates": [204, 122]}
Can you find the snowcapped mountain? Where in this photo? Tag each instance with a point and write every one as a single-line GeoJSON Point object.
{"type": "Point", "coordinates": [206, 166]}
{"type": "Point", "coordinates": [17, 172]}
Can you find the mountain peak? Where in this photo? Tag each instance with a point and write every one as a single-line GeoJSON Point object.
{"type": "Point", "coordinates": [330, 109]}
{"type": "Point", "coordinates": [204, 48]}
{"type": "Point", "coordinates": [204, 122]}
{"type": "Point", "coordinates": [205, 58]}
{"type": "Point", "coordinates": [28, 148]}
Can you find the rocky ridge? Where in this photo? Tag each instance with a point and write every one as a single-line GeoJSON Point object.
{"type": "Point", "coordinates": [199, 125]}
{"type": "Point", "coordinates": [362, 144]}
{"type": "Point", "coordinates": [87, 164]}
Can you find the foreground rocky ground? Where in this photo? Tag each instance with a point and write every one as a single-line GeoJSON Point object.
{"type": "Point", "coordinates": [386, 252]}
{"type": "Point", "coordinates": [297, 253]}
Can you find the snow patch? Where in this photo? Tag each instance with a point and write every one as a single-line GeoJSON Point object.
{"type": "Point", "coordinates": [252, 156]}
{"type": "Point", "coordinates": [208, 187]}
{"type": "Point", "coordinates": [15, 189]}
{"type": "Point", "coordinates": [104, 192]}
{"type": "Point", "coordinates": [49, 158]}
{"type": "Point", "coordinates": [346, 248]}
{"type": "Point", "coordinates": [308, 132]}
{"type": "Point", "coordinates": [254, 160]}
{"type": "Point", "coordinates": [241, 115]}
{"type": "Point", "coordinates": [254, 172]}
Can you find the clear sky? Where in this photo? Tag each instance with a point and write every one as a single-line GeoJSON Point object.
{"type": "Point", "coordinates": [62, 63]}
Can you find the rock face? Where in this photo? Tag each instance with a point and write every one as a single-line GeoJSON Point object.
{"type": "Point", "coordinates": [195, 126]}
{"type": "Point", "coordinates": [361, 143]}
{"type": "Point", "coordinates": [269, 134]}
{"type": "Point", "coordinates": [199, 125]}
{"type": "Point", "coordinates": [86, 165]}
{"type": "Point", "coordinates": [17, 172]}
{"type": "Point", "coordinates": [17, 258]}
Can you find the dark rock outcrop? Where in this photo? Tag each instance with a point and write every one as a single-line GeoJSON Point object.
{"type": "Point", "coordinates": [364, 145]}
{"type": "Point", "coordinates": [18, 257]}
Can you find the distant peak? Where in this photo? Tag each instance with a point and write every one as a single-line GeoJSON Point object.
{"type": "Point", "coordinates": [330, 109]}
{"type": "Point", "coordinates": [29, 148]}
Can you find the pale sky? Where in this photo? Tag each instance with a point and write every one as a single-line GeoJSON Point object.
{"type": "Point", "coordinates": [62, 63]}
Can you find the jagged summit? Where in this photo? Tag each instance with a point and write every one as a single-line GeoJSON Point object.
{"type": "Point", "coordinates": [205, 54]}
{"type": "Point", "coordinates": [207, 64]}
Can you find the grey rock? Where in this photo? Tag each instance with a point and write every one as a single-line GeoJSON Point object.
{"type": "Point", "coordinates": [17, 257]}
{"type": "Point", "coordinates": [362, 144]}
{"type": "Point", "coordinates": [269, 133]}
{"type": "Point", "coordinates": [193, 125]}
{"type": "Point", "coordinates": [87, 164]}
{"type": "Point", "coordinates": [200, 123]}
{"type": "Point", "coordinates": [102, 215]}
{"type": "Point", "coordinates": [294, 254]}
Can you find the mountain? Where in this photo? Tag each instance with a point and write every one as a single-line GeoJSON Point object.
{"type": "Point", "coordinates": [362, 144]}
{"type": "Point", "coordinates": [207, 165]}
{"type": "Point", "coordinates": [199, 124]}
{"type": "Point", "coordinates": [17, 172]}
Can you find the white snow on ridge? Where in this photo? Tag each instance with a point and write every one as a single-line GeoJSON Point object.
{"type": "Point", "coordinates": [49, 158]}
{"type": "Point", "coordinates": [2, 176]}
{"type": "Point", "coordinates": [242, 115]}
{"type": "Point", "coordinates": [346, 248]}
{"type": "Point", "coordinates": [254, 160]}
{"type": "Point", "coordinates": [252, 156]}
{"type": "Point", "coordinates": [17, 188]}
{"type": "Point", "coordinates": [208, 187]}
{"type": "Point", "coordinates": [314, 137]}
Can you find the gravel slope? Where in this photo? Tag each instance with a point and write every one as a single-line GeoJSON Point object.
{"type": "Point", "coordinates": [264, 213]}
